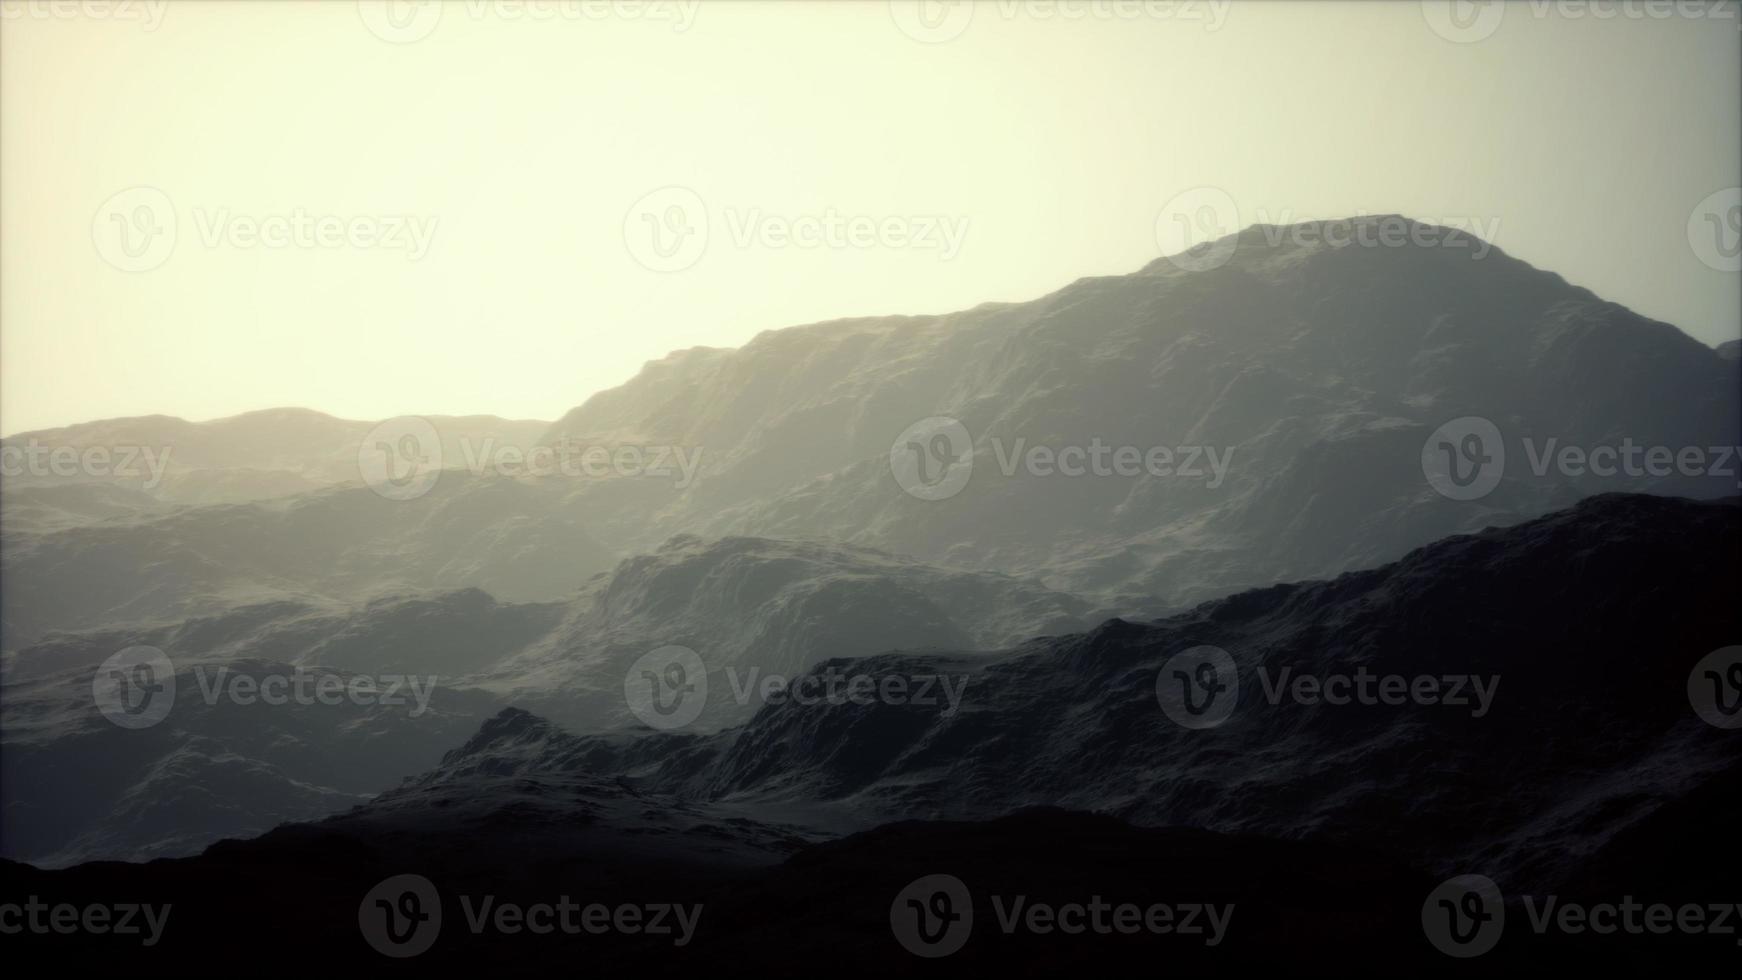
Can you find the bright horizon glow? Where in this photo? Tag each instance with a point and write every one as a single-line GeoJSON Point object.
{"type": "Point", "coordinates": [1587, 143]}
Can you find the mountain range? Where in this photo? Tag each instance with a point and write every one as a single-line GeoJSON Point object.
{"type": "Point", "coordinates": [1314, 461]}
{"type": "Point", "coordinates": [1320, 824]}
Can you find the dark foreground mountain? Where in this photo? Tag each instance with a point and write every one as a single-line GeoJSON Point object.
{"type": "Point", "coordinates": [1038, 893]}
{"type": "Point", "coordinates": [1540, 708]}
{"type": "Point", "coordinates": [1583, 774]}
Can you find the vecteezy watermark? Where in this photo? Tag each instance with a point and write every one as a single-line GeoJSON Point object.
{"type": "Point", "coordinates": [1465, 916]}
{"type": "Point", "coordinates": [136, 687]}
{"type": "Point", "coordinates": [1200, 687]}
{"type": "Point", "coordinates": [668, 688]}
{"type": "Point", "coordinates": [937, 21]}
{"type": "Point", "coordinates": [1463, 21]}
{"type": "Point", "coordinates": [1469, 21]}
{"type": "Point", "coordinates": [668, 230]}
{"type": "Point", "coordinates": [297, 228]}
{"type": "Point", "coordinates": [37, 459]}
{"type": "Point", "coordinates": [306, 687]}
{"type": "Point", "coordinates": [1632, 917]}
{"type": "Point", "coordinates": [1197, 230]}
{"type": "Point", "coordinates": [402, 917]}
{"type": "Point", "coordinates": [834, 686]}
{"type": "Point", "coordinates": [94, 919]}
{"type": "Point", "coordinates": [933, 917]}
{"type": "Point", "coordinates": [933, 459]}
{"type": "Point", "coordinates": [137, 230]}
{"type": "Point", "coordinates": [573, 458]}
{"type": "Point", "coordinates": [403, 459]}
{"type": "Point", "coordinates": [1365, 688]}
{"type": "Point", "coordinates": [1715, 230]}
{"type": "Point", "coordinates": [1715, 688]}
{"type": "Point", "coordinates": [406, 21]}
{"type": "Point", "coordinates": [146, 13]}
{"type": "Point", "coordinates": [1466, 458]}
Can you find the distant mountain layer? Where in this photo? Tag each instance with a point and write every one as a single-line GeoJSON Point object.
{"type": "Point", "coordinates": [253, 456]}
{"type": "Point", "coordinates": [753, 609]}
{"type": "Point", "coordinates": [341, 543]}
{"type": "Point", "coordinates": [79, 788]}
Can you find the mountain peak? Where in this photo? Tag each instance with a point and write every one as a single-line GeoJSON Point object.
{"type": "Point", "coordinates": [1369, 232]}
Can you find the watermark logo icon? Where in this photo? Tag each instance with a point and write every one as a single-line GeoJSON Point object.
{"type": "Point", "coordinates": [1464, 916]}
{"type": "Point", "coordinates": [1715, 688]}
{"type": "Point", "coordinates": [1197, 229]}
{"type": "Point", "coordinates": [1465, 458]}
{"type": "Point", "coordinates": [1198, 688]}
{"type": "Point", "coordinates": [135, 688]}
{"type": "Point", "coordinates": [1464, 21]}
{"type": "Point", "coordinates": [402, 916]}
{"type": "Point", "coordinates": [135, 229]}
{"type": "Point", "coordinates": [401, 459]}
{"type": "Point", "coordinates": [1715, 230]}
{"type": "Point", "coordinates": [932, 459]}
{"type": "Point", "coordinates": [932, 21]}
{"type": "Point", "coordinates": [400, 21]}
{"type": "Point", "coordinates": [933, 916]}
{"type": "Point", "coordinates": [667, 688]}
{"type": "Point", "coordinates": [667, 229]}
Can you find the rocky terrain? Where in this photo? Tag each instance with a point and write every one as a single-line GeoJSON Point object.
{"type": "Point", "coordinates": [1313, 829]}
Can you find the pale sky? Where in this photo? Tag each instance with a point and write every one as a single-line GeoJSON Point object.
{"type": "Point", "coordinates": [460, 198]}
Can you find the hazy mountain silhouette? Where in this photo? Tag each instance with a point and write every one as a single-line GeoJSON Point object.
{"type": "Point", "coordinates": [342, 543]}
{"type": "Point", "coordinates": [270, 453]}
{"type": "Point", "coordinates": [84, 789]}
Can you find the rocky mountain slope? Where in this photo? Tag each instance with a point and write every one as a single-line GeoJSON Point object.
{"type": "Point", "coordinates": [1583, 773]}
{"type": "Point", "coordinates": [752, 609]}
{"type": "Point", "coordinates": [1584, 732]}
{"type": "Point", "coordinates": [1296, 387]}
